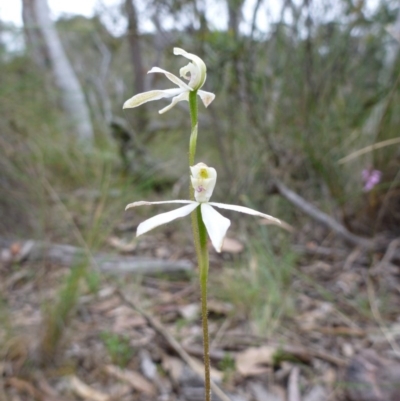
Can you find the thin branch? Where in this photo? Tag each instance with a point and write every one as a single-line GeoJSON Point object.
{"type": "Point", "coordinates": [322, 217]}
{"type": "Point", "coordinates": [254, 18]}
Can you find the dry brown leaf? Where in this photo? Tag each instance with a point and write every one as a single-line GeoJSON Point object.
{"type": "Point", "coordinates": [24, 387]}
{"type": "Point", "coordinates": [174, 367]}
{"type": "Point", "coordinates": [190, 311]}
{"type": "Point", "coordinates": [84, 391]}
{"type": "Point", "coordinates": [216, 375]}
{"type": "Point", "coordinates": [262, 393]}
{"type": "Point", "coordinates": [135, 379]}
{"type": "Point", "coordinates": [125, 319]}
{"type": "Point", "coordinates": [315, 317]}
{"type": "Point", "coordinates": [369, 377]}
{"type": "Point", "coordinates": [220, 308]}
{"type": "Point", "coordinates": [121, 245]}
{"type": "Point", "coordinates": [317, 393]}
{"type": "Point", "coordinates": [232, 245]}
{"type": "Point", "coordinates": [255, 361]}
{"type": "Point", "coordinates": [106, 305]}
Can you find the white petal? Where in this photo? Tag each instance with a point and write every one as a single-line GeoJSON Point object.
{"type": "Point", "coordinates": [216, 225]}
{"type": "Point", "coordinates": [200, 76]}
{"type": "Point", "coordinates": [173, 78]}
{"type": "Point", "coordinates": [145, 97]}
{"type": "Point", "coordinates": [246, 210]}
{"type": "Point", "coordinates": [142, 203]}
{"type": "Point", "coordinates": [206, 97]}
{"type": "Point", "coordinates": [164, 218]}
{"type": "Point", "coordinates": [175, 100]}
{"type": "Point", "coordinates": [192, 57]}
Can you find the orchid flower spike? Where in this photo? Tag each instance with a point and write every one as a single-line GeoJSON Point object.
{"type": "Point", "coordinates": [203, 180]}
{"type": "Point", "coordinates": [195, 72]}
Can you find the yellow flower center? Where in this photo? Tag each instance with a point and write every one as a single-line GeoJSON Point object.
{"type": "Point", "coordinates": [203, 173]}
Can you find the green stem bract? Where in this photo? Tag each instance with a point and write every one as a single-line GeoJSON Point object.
{"type": "Point", "coordinates": [200, 242]}
{"type": "Point", "coordinates": [194, 122]}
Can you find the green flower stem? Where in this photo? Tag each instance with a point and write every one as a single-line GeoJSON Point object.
{"type": "Point", "coordinates": [203, 267]}
{"type": "Point", "coordinates": [200, 241]}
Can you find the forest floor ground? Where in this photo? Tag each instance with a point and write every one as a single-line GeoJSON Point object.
{"type": "Point", "coordinates": [336, 337]}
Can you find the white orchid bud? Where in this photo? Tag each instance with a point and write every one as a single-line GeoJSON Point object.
{"type": "Point", "coordinates": [203, 180]}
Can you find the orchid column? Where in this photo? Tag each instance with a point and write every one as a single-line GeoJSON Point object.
{"type": "Point", "coordinates": [205, 219]}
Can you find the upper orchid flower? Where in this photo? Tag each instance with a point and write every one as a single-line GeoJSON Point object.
{"type": "Point", "coordinates": [203, 180]}
{"type": "Point", "coordinates": [195, 72]}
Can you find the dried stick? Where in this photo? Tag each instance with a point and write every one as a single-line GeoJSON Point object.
{"type": "Point", "coordinates": [68, 255]}
{"type": "Point", "coordinates": [322, 217]}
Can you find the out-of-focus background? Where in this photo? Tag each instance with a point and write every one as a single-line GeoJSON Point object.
{"type": "Point", "coordinates": [305, 126]}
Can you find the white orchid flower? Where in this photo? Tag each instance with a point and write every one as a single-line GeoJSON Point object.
{"type": "Point", "coordinates": [195, 72]}
{"type": "Point", "coordinates": [203, 180]}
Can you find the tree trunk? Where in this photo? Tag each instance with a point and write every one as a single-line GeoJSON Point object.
{"type": "Point", "coordinates": [136, 59]}
{"type": "Point", "coordinates": [234, 16]}
{"type": "Point", "coordinates": [37, 14]}
{"type": "Point", "coordinates": [33, 37]}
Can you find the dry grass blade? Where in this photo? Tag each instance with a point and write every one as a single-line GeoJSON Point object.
{"type": "Point", "coordinates": [368, 149]}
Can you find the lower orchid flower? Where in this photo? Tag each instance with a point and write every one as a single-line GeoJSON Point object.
{"type": "Point", "coordinates": [203, 180]}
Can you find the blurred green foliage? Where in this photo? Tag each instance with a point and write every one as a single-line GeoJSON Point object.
{"type": "Point", "coordinates": [291, 101]}
{"type": "Point", "coordinates": [118, 348]}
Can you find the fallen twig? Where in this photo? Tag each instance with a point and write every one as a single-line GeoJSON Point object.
{"type": "Point", "coordinates": [68, 255]}
{"type": "Point", "coordinates": [320, 251]}
{"type": "Point", "coordinates": [293, 385]}
{"type": "Point", "coordinates": [322, 217]}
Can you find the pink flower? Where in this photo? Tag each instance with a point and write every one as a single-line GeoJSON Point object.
{"type": "Point", "coordinates": [370, 178]}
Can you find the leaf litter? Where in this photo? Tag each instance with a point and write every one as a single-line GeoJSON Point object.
{"type": "Point", "coordinates": [340, 344]}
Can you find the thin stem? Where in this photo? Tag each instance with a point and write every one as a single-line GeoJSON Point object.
{"type": "Point", "coordinates": [200, 241]}
{"type": "Point", "coordinates": [203, 266]}
{"type": "Point", "coordinates": [192, 155]}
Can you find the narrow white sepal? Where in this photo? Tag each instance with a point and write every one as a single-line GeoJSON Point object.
{"type": "Point", "coordinates": [206, 97]}
{"type": "Point", "coordinates": [143, 203]}
{"type": "Point", "coordinates": [183, 96]}
{"type": "Point", "coordinates": [164, 218]}
{"type": "Point", "coordinates": [216, 225]}
{"type": "Point", "coordinates": [243, 209]}
{"type": "Point", "coordinates": [145, 97]}
{"type": "Point", "coordinates": [173, 78]}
